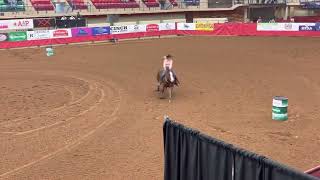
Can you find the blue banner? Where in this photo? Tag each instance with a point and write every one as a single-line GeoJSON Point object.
{"type": "Point", "coordinates": [317, 26]}
{"type": "Point", "coordinates": [307, 28]}
{"type": "Point", "coordinates": [96, 31]}
{"type": "Point", "coordinates": [78, 32]}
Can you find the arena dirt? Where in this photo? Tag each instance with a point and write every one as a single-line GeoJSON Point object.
{"type": "Point", "coordinates": [91, 112]}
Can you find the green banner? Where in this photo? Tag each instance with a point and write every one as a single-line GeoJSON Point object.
{"type": "Point", "coordinates": [17, 36]}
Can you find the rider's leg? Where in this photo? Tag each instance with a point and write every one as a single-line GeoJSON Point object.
{"type": "Point", "coordinates": [162, 75]}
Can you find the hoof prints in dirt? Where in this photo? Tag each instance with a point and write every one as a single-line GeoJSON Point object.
{"type": "Point", "coordinates": [56, 130]}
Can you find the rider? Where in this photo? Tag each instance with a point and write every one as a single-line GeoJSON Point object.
{"type": "Point", "coordinates": [167, 64]}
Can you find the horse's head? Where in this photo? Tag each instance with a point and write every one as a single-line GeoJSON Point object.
{"type": "Point", "coordinates": [169, 76]}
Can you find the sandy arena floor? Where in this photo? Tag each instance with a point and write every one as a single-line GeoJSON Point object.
{"type": "Point", "coordinates": [91, 112]}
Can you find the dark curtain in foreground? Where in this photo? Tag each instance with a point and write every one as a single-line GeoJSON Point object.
{"type": "Point", "coordinates": [190, 155]}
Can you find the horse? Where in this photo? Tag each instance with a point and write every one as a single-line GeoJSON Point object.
{"type": "Point", "coordinates": [167, 82]}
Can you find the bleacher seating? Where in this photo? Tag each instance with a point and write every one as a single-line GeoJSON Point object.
{"type": "Point", "coordinates": [151, 3]}
{"type": "Point", "coordinates": [173, 2]}
{"type": "Point", "coordinates": [42, 5]}
{"type": "Point", "coordinates": [11, 6]}
{"type": "Point", "coordinates": [77, 4]}
{"type": "Point", "coordinates": [113, 4]}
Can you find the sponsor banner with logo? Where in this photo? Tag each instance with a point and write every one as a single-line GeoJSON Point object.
{"type": "Point", "coordinates": [152, 28]}
{"type": "Point", "coordinates": [137, 28]}
{"type": "Point", "coordinates": [268, 26]}
{"type": "Point", "coordinates": [38, 34]}
{"type": "Point", "coordinates": [307, 28]}
{"type": "Point", "coordinates": [119, 29]}
{"type": "Point", "coordinates": [96, 31]}
{"type": "Point", "coordinates": [16, 24]}
{"type": "Point", "coordinates": [17, 36]}
{"type": "Point", "coordinates": [284, 26]}
{"type": "Point", "coordinates": [317, 26]}
{"type": "Point", "coordinates": [4, 24]}
{"type": "Point", "coordinates": [60, 33]}
{"type": "Point", "coordinates": [275, 27]}
{"type": "Point", "coordinates": [3, 37]}
{"type": "Point", "coordinates": [80, 32]}
{"type": "Point", "coordinates": [186, 26]}
{"type": "Point", "coordinates": [44, 22]}
{"type": "Point", "coordinates": [204, 26]}
{"type": "Point", "coordinates": [167, 26]}
{"type": "Point", "coordinates": [21, 24]}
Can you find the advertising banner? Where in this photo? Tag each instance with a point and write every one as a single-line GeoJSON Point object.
{"type": "Point", "coordinates": [16, 24]}
{"type": "Point", "coordinates": [119, 29]}
{"type": "Point", "coordinates": [4, 24]}
{"type": "Point", "coordinates": [60, 33]}
{"type": "Point", "coordinates": [204, 26]}
{"type": "Point", "coordinates": [137, 28]}
{"type": "Point", "coordinates": [282, 26]}
{"type": "Point", "coordinates": [167, 26]}
{"type": "Point", "coordinates": [38, 34]}
{"type": "Point", "coordinates": [96, 31]}
{"type": "Point", "coordinates": [307, 28]}
{"type": "Point", "coordinates": [44, 22]}
{"type": "Point", "coordinates": [152, 28]}
{"type": "Point", "coordinates": [270, 26]}
{"type": "Point", "coordinates": [17, 36]}
{"type": "Point", "coordinates": [80, 32]}
{"type": "Point", "coordinates": [186, 26]}
{"type": "Point", "coordinates": [317, 26]}
{"type": "Point", "coordinates": [3, 37]}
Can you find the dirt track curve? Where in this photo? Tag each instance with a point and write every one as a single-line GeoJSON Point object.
{"type": "Point", "coordinates": [91, 112]}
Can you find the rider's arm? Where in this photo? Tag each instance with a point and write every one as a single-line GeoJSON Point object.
{"type": "Point", "coordinates": [164, 64]}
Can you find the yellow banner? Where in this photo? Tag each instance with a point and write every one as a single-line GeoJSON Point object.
{"type": "Point", "coordinates": [204, 26]}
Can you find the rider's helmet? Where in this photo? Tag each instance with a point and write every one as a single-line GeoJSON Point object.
{"type": "Point", "coordinates": [169, 56]}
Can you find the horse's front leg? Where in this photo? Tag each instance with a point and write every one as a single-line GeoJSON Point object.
{"type": "Point", "coordinates": [170, 94]}
{"type": "Point", "coordinates": [163, 89]}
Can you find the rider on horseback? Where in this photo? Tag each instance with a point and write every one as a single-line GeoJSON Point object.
{"type": "Point", "coordinates": [166, 77]}
{"type": "Point", "coordinates": [167, 65]}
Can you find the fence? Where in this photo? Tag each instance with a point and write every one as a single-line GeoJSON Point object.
{"type": "Point", "coordinates": [191, 155]}
{"type": "Point", "coordinates": [84, 34]}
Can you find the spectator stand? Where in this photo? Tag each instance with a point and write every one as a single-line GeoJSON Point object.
{"type": "Point", "coordinates": [12, 5]}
